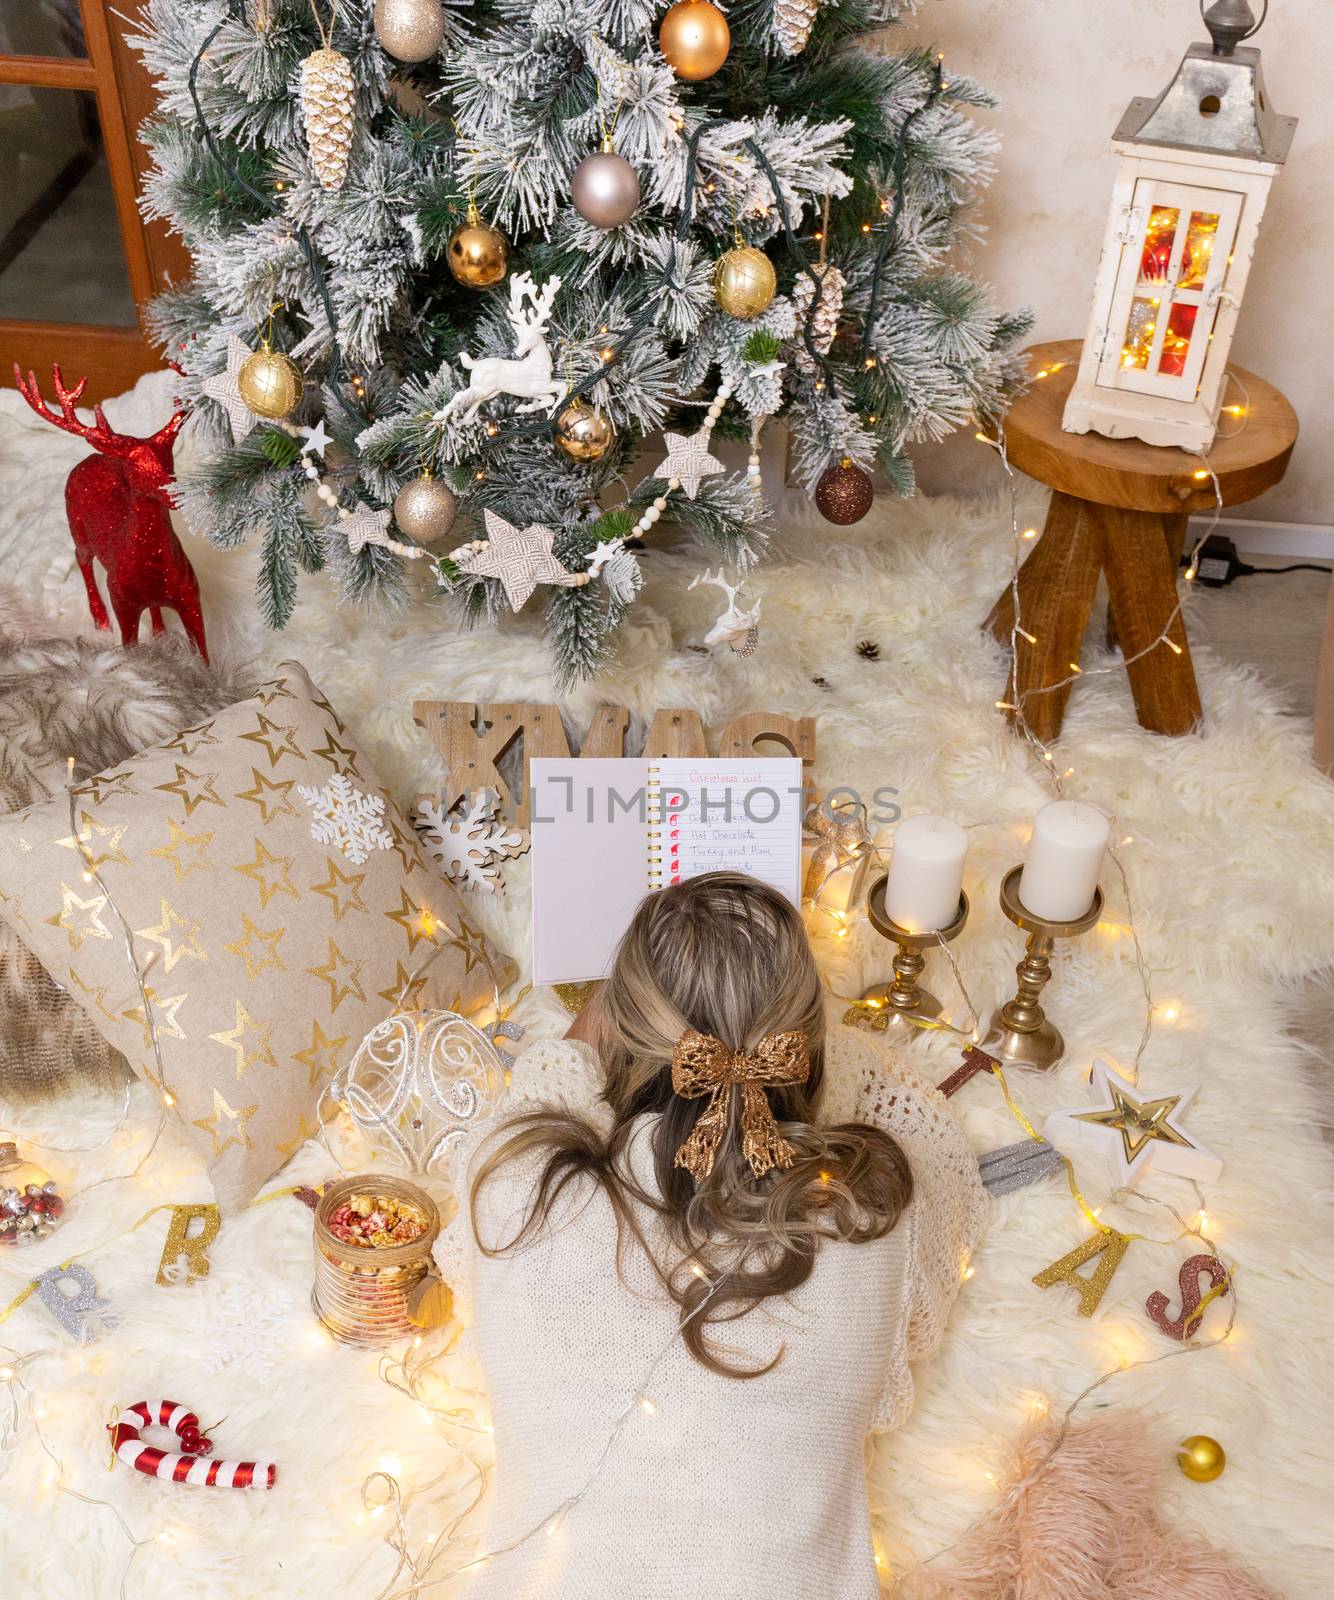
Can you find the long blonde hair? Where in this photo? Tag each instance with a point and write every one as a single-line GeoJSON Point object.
{"type": "Point", "coordinates": [725, 955]}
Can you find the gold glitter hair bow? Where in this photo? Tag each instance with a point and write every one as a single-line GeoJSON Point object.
{"type": "Point", "coordinates": [704, 1065]}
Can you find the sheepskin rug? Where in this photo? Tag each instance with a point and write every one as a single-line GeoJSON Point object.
{"type": "Point", "coordinates": [1229, 856]}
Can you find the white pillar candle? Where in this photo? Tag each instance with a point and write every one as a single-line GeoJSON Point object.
{"type": "Point", "coordinates": [1064, 860]}
{"type": "Point", "coordinates": [925, 873]}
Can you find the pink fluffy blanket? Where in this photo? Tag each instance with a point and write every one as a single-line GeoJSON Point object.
{"type": "Point", "coordinates": [1087, 1527]}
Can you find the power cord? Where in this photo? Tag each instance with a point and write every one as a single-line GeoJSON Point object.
{"type": "Point", "coordinates": [1218, 564]}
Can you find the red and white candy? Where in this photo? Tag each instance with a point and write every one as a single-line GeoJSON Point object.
{"type": "Point", "coordinates": [190, 1467]}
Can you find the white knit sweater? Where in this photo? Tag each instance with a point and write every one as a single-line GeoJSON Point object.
{"type": "Point", "coordinates": [714, 1486]}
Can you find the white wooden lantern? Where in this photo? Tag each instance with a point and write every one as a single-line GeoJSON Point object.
{"type": "Point", "coordinates": [1193, 175]}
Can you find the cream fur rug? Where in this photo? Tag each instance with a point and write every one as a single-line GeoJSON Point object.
{"type": "Point", "coordinates": [1231, 870]}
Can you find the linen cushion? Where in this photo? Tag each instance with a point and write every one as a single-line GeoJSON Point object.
{"type": "Point", "coordinates": [278, 907]}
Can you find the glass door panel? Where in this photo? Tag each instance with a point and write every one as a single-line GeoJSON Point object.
{"type": "Point", "coordinates": [41, 28]}
{"type": "Point", "coordinates": [60, 249]}
{"type": "Point", "coordinates": [1173, 266]}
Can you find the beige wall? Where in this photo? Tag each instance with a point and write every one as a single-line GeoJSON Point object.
{"type": "Point", "coordinates": [1064, 71]}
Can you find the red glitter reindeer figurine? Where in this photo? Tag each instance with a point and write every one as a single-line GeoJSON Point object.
{"type": "Point", "coordinates": [118, 503]}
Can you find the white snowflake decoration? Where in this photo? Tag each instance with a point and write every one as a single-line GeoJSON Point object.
{"type": "Point", "coordinates": [347, 818]}
{"type": "Point", "coordinates": [469, 845]}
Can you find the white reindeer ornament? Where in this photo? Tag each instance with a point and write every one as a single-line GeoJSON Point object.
{"type": "Point", "coordinates": [527, 375]}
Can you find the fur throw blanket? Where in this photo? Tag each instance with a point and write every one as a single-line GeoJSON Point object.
{"type": "Point", "coordinates": [1088, 1525]}
{"type": "Point", "coordinates": [93, 700]}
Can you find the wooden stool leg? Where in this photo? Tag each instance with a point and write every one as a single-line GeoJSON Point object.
{"type": "Point", "coordinates": [1141, 585]}
{"type": "Point", "coordinates": [1174, 531]}
{"type": "Point", "coordinates": [1054, 608]}
{"type": "Point", "coordinates": [1001, 618]}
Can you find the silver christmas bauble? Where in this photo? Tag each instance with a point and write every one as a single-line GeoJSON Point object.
{"type": "Point", "coordinates": [424, 509]}
{"type": "Point", "coordinates": [605, 189]}
{"type": "Point", "coordinates": [410, 30]}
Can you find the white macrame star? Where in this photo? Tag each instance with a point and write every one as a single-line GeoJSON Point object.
{"type": "Point", "coordinates": [520, 558]}
{"type": "Point", "coordinates": [222, 387]}
{"type": "Point", "coordinates": [365, 526]}
{"type": "Point", "coordinates": [688, 460]}
{"type": "Point", "coordinates": [606, 551]}
{"type": "Point", "coordinates": [316, 438]}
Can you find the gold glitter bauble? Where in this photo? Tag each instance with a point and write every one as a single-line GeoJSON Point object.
{"type": "Point", "coordinates": [695, 39]}
{"type": "Point", "coordinates": [583, 433]}
{"type": "Point", "coordinates": [424, 508]}
{"type": "Point", "coordinates": [1201, 1458]}
{"type": "Point", "coordinates": [269, 382]}
{"type": "Point", "coordinates": [844, 493]}
{"type": "Point", "coordinates": [410, 30]}
{"type": "Point", "coordinates": [744, 281]}
{"type": "Point", "coordinates": [478, 255]}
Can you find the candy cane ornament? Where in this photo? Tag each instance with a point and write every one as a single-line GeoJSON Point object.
{"type": "Point", "coordinates": [191, 1467]}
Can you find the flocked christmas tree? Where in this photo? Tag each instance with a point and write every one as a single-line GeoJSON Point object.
{"type": "Point", "coordinates": [480, 251]}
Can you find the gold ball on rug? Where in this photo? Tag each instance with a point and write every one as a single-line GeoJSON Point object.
{"type": "Point", "coordinates": [410, 30]}
{"type": "Point", "coordinates": [478, 255]}
{"type": "Point", "coordinates": [1201, 1458]}
{"type": "Point", "coordinates": [583, 433]}
{"type": "Point", "coordinates": [424, 508]}
{"type": "Point", "coordinates": [269, 382]}
{"type": "Point", "coordinates": [744, 281]}
{"type": "Point", "coordinates": [695, 39]}
{"type": "Point", "coordinates": [844, 493]}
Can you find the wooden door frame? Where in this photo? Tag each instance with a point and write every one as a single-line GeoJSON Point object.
{"type": "Point", "coordinates": [113, 358]}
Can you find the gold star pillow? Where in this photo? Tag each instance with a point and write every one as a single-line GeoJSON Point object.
{"type": "Point", "coordinates": [278, 908]}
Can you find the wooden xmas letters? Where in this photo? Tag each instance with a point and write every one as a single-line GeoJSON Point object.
{"type": "Point", "coordinates": [472, 739]}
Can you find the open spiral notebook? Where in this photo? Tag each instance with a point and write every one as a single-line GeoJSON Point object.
{"type": "Point", "coordinates": [607, 831]}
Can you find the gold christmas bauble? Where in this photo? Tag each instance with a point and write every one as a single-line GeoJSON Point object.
{"type": "Point", "coordinates": [583, 433]}
{"type": "Point", "coordinates": [695, 39]}
{"type": "Point", "coordinates": [424, 508]}
{"type": "Point", "coordinates": [269, 382]}
{"type": "Point", "coordinates": [478, 255]}
{"type": "Point", "coordinates": [744, 281]}
{"type": "Point", "coordinates": [411, 30]}
{"type": "Point", "coordinates": [1201, 1458]}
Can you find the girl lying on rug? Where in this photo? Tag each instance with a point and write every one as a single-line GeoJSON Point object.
{"type": "Point", "coordinates": [697, 1271]}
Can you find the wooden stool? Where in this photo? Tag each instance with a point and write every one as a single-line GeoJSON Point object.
{"type": "Point", "coordinates": [1119, 507]}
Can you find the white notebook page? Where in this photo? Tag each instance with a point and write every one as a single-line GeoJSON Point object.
{"type": "Point", "coordinates": [607, 831]}
{"type": "Point", "coordinates": [733, 816]}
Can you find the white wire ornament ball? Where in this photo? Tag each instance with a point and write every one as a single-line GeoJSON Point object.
{"type": "Point", "coordinates": [418, 1082]}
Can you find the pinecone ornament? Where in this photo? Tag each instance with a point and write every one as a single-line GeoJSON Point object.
{"type": "Point", "coordinates": [824, 324]}
{"type": "Point", "coordinates": [328, 100]}
{"type": "Point", "coordinates": [792, 23]}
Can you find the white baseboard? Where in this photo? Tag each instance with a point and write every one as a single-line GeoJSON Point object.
{"type": "Point", "coordinates": [1299, 541]}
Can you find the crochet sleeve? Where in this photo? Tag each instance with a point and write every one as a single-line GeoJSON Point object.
{"type": "Point", "coordinates": [866, 1082]}
{"type": "Point", "coordinates": [561, 1073]}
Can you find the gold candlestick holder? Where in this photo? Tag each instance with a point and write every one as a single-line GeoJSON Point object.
{"type": "Point", "coordinates": [903, 1001]}
{"type": "Point", "coordinates": [1021, 1033]}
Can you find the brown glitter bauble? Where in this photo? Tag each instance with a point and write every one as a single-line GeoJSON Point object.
{"type": "Point", "coordinates": [1201, 1458]}
{"type": "Point", "coordinates": [478, 255]}
{"type": "Point", "coordinates": [844, 493]}
{"type": "Point", "coordinates": [583, 433]}
{"type": "Point", "coordinates": [424, 508]}
{"type": "Point", "coordinates": [269, 382]}
{"type": "Point", "coordinates": [744, 282]}
{"type": "Point", "coordinates": [695, 39]}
